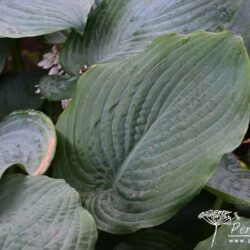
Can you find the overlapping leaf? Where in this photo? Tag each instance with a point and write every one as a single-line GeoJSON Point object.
{"type": "Point", "coordinates": [18, 92]}
{"type": "Point", "coordinates": [143, 136]}
{"type": "Point", "coordinates": [153, 240]}
{"type": "Point", "coordinates": [120, 29]}
{"type": "Point", "coordinates": [241, 23]}
{"type": "Point", "coordinates": [225, 240]}
{"type": "Point", "coordinates": [231, 182]}
{"type": "Point", "coordinates": [58, 37]}
{"type": "Point", "coordinates": [37, 17]}
{"type": "Point", "coordinates": [27, 138]}
{"type": "Point", "coordinates": [42, 213]}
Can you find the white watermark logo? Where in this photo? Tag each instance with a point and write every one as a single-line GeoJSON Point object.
{"type": "Point", "coordinates": [218, 218]}
{"type": "Point", "coordinates": [239, 234]}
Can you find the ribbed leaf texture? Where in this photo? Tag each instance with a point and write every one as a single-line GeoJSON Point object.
{"type": "Point", "coordinates": [143, 136]}
{"type": "Point", "coordinates": [42, 213]}
{"type": "Point", "coordinates": [120, 29]}
{"type": "Point", "coordinates": [38, 17]}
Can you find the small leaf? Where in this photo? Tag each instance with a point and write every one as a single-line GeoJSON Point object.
{"type": "Point", "coordinates": [225, 240]}
{"type": "Point", "coordinates": [38, 17]}
{"type": "Point", "coordinates": [56, 87]}
{"type": "Point", "coordinates": [42, 213]}
{"type": "Point", "coordinates": [231, 182]}
{"type": "Point", "coordinates": [119, 29]}
{"type": "Point", "coordinates": [153, 240]}
{"type": "Point", "coordinates": [27, 138]}
{"type": "Point", "coordinates": [18, 92]}
{"type": "Point", "coordinates": [143, 136]}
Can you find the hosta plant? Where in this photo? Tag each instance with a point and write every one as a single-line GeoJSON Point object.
{"type": "Point", "coordinates": [158, 98]}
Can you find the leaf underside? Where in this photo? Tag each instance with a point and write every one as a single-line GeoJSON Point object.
{"type": "Point", "coordinates": [119, 29]}
{"type": "Point", "coordinates": [42, 213]}
{"type": "Point", "coordinates": [27, 138]}
{"type": "Point", "coordinates": [143, 136]}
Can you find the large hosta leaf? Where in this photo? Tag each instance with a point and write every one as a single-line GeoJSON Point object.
{"type": "Point", "coordinates": [229, 237]}
{"type": "Point", "coordinates": [27, 138]}
{"type": "Point", "coordinates": [144, 135]}
{"type": "Point", "coordinates": [153, 240]}
{"type": "Point", "coordinates": [231, 182]}
{"type": "Point", "coordinates": [37, 17]}
{"type": "Point", "coordinates": [42, 213]}
{"type": "Point", "coordinates": [18, 92]}
{"type": "Point", "coordinates": [119, 29]}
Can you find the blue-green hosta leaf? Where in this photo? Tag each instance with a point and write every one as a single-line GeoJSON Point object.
{"type": "Point", "coordinates": [42, 213]}
{"type": "Point", "coordinates": [143, 136]}
{"type": "Point", "coordinates": [231, 182]}
{"type": "Point", "coordinates": [27, 138]}
{"type": "Point", "coordinates": [225, 240]}
{"type": "Point", "coordinates": [120, 29]}
{"type": "Point", "coordinates": [5, 45]}
{"type": "Point", "coordinates": [57, 87]}
{"type": "Point", "coordinates": [18, 92]}
{"type": "Point", "coordinates": [153, 240]}
{"type": "Point", "coordinates": [241, 23]}
{"type": "Point", "coordinates": [38, 17]}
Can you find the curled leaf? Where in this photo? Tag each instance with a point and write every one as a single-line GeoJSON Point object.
{"type": "Point", "coordinates": [27, 138]}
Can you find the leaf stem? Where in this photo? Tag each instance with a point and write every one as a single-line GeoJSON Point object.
{"type": "Point", "coordinates": [17, 65]}
{"type": "Point", "coordinates": [215, 232]}
{"type": "Point", "coordinates": [218, 204]}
